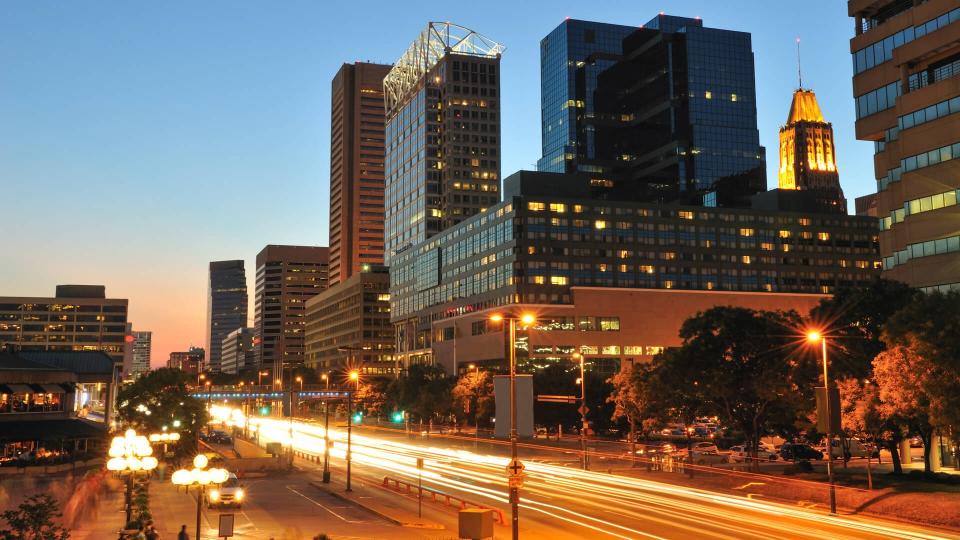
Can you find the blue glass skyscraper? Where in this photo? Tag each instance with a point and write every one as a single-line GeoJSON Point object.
{"type": "Point", "coordinates": [571, 57]}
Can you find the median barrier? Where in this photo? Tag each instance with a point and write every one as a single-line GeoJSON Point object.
{"type": "Point", "coordinates": [402, 486]}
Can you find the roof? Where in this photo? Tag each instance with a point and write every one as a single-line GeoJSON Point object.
{"type": "Point", "coordinates": [804, 108]}
{"type": "Point", "coordinates": [79, 362]}
{"type": "Point", "coordinates": [10, 361]}
{"type": "Point", "coordinates": [50, 430]}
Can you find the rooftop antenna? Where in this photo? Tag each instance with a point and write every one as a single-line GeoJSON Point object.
{"type": "Point", "coordinates": [799, 74]}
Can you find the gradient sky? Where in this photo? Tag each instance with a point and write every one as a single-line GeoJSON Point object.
{"type": "Point", "coordinates": [140, 140]}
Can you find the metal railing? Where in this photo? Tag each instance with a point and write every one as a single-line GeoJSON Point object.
{"type": "Point", "coordinates": [401, 486]}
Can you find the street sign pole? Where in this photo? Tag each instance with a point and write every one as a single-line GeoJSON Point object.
{"type": "Point", "coordinates": [420, 487]}
{"type": "Point", "coordinates": [514, 489]}
{"type": "Point", "coordinates": [583, 415]}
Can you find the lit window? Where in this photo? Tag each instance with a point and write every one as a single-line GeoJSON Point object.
{"type": "Point", "coordinates": [602, 267]}
{"type": "Point", "coordinates": [600, 224]}
{"type": "Point", "coordinates": [383, 297]}
{"type": "Point", "coordinates": [785, 234]}
{"type": "Point", "coordinates": [708, 95]}
{"type": "Point", "coordinates": [538, 280]}
{"type": "Point", "coordinates": [646, 269]}
{"type": "Point", "coordinates": [733, 97]}
{"type": "Point", "coordinates": [577, 208]}
{"type": "Point", "coordinates": [684, 214]}
{"type": "Point", "coordinates": [805, 222]}
{"type": "Point", "coordinates": [766, 246]}
{"type": "Point", "coordinates": [668, 284]}
{"type": "Point", "coordinates": [558, 280]}
{"type": "Point", "coordinates": [610, 349]}
{"type": "Point", "coordinates": [536, 206]}
{"type": "Point", "coordinates": [558, 207]}
{"type": "Point", "coordinates": [624, 253]}
{"type": "Point", "coordinates": [746, 259]}
{"type": "Point", "coordinates": [746, 232]}
{"type": "Point", "coordinates": [823, 236]}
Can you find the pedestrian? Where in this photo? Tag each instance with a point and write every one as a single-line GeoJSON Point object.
{"type": "Point", "coordinates": [140, 534]}
{"type": "Point", "coordinates": [152, 532]}
{"type": "Point", "coordinates": [183, 533]}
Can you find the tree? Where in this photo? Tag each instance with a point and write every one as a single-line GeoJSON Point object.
{"type": "Point", "coordinates": [740, 365]}
{"type": "Point", "coordinates": [159, 399]}
{"type": "Point", "coordinates": [902, 376]}
{"type": "Point", "coordinates": [424, 391]}
{"type": "Point", "coordinates": [473, 397]}
{"type": "Point", "coordinates": [628, 401]}
{"type": "Point", "coordinates": [33, 520]}
{"type": "Point", "coordinates": [864, 413]}
{"type": "Point", "coordinates": [854, 319]}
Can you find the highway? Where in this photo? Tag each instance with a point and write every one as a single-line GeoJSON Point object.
{"type": "Point", "coordinates": [560, 502]}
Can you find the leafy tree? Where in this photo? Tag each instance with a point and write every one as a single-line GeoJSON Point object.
{"type": "Point", "coordinates": [854, 318]}
{"type": "Point", "coordinates": [34, 520]}
{"type": "Point", "coordinates": [159, 398]}
{"type": "Point", "coordinates": [864, 414]}
{"type": "Point", "coordinates": [903, 376]}
{"type": "Point", "coordinates": [371, 396]}
{"type": "Point", "coordinates": [424, 391]}
{"type": "Point", "coordinates": [740, 365]}
{"type": "Point", "coordinates": [561, 379]}
{"type": "Point", "coordinates": [473, 397]}
{"type": "Point", "coordinates": [628, 401]}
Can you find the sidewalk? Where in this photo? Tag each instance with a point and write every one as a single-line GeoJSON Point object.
{"type": "Point", "coordinates": [372, 500]}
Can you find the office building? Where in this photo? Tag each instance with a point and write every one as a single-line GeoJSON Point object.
{"type": "Point", "coordinates": [77, 318]}
{"type": "Point", "coordinates": [906, 59]}
{"type": "Point", "coordinates": [672, 119]}
{"type": "Point", "coordinates": [142, 343]}
{"type": "Point", "coordinates": [226, 307]}
{"type": "Point", "coordinates": [287, 276]}
{"type": "Point", "coordinates": [571, 57]}
{"type": "Point", "coordinates": [356, 168]}
{"type": "Point", "coordinates": [555, 236]}
{"type": "Point", "coordinates": [866, 205]}
{"type": "Point", "coordinates": [238, 351]}
{"type": "Point", "coordinates": [350, 322]}
{"type": "Point", "coordinates": [190, 361]}
{"type": "Point", "coordinates": [442, 134]}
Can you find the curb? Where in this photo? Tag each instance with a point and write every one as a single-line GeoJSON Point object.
{"type": "Point", "coordinates": [375, 511]}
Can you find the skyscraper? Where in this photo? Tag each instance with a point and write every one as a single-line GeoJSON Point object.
{"type": "Point", "coordinates": [808, 160]}
{"type": "Point", "coordinates": [238, 351]}
{"type": "Point", "coordinates": [226, 306]}
{"type": "Point", "coordinates": [571, 57]}
{"type": "Point", "coordinates": [287, 276]}
{"type": "Point", "coordinates": [356, 169]}
{"type": "Point", "coordinates": [675, 118]}
{"type": "Point", "coordinates": [141, 352]}
{"type": "Point", "coordinates": [906, 59]}
{"type": "Point", "coordinates": [442, 133]}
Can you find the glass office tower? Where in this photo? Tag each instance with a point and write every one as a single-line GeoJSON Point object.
{"type": "Point", "coordinates": [226, 306]}
{"type": "Point", "coordinates": [571, 57]}
{"type": "Point", "coordinates": [442, 134]}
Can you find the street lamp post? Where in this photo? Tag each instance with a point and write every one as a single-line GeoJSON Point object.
{"type": "Point", "coordinates": [583, 411]}
{"type": "Point", "coordinates": [355, 376]}
{"type": "Point", "coordinates": [814, 337]}
{"type": "Point", "coordinates": [326, 378]}
{"type": "Point", "coordinates": [199, 476]}
{"type": "Point", "coordinates": [527, 319]}
{"type": "Point", "coordinates": [130, 453]}
{"type": "Point", "coordinates": [476, 405]}
{"type": "Point", "coordinates": [326, 438]}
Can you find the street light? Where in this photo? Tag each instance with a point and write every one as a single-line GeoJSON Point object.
{"type": "Point", "coordinates": [199, 476]}
{"type": "Point", "coordinates": [354, 376]}
{"type": "Point", "coordinates": [476, 406]}
{"type": "Point", "coordinates": [814, 336]}
{"type": "Point", "coordinates": [130, 453]}
{"type": "Point", "coordinates": [527, 319]}
{"type": "Point", "coordinates": [583, 410]}
{"type": "Point", "coordinates": [200, 377]}
{"type": "Point", "coordinates": [326, 378]}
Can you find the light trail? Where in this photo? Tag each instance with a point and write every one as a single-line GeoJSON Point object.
{"type": "Point", "coordinates": [695, 511]}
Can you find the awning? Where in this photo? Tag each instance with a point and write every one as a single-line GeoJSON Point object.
{"type": "Point", "coordinates": [51, 388]}
{"type": "Point", "coordinates": [4, 389]}
{"type": "Point", "coordinates": [20, 389]}
{"type": "Point", "coordinates": [50, 430]}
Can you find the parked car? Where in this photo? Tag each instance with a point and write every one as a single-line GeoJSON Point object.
{"type": "Point", "coordinates": [799, 451]}
{"type": "Point", "coordinates": [229, 493]}
{"type": "Point", "coordinates": [219, 437]}
{"type": "Point", "coordinates": [916, 442]}
{"type": "Point", "coordinates": [657, 449]}
{"type": "Point", "coordinates": [853, 448]}
{"type": "Point", "coordinates": [705, 447]}
{"type": "Point", "coordinates": [740, 454]}
{"type": "Point", "coordinates": [709, 458]}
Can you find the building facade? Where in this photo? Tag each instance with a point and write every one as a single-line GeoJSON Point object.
{"type": "Point", "coordinates": [555, 232]}
{"type": "Point", "coordinates": [190, 361]}
{"type": "Point", "coordinates": [287, 276]}
{"type": "Point", "coordinates": [142, 344]}
{"type": "Point", "coordinates": [226, 306]}
{"type": "Point", "coordinates": [906, 62]}
{"type": "Point", "coordinates": [571, 57]}
{"type": "Point", "coordinates": [356, 168]}
{"type": "Point", "coordinates": [442, 134]}
{"type": "Point", "coordinates": [239, 351]}
{"type": "Point", "coordinates": [350, 321]}
{"type": "Point", "coordinates": [78, 318]}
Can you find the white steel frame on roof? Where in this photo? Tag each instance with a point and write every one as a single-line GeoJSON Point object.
{"type": "Point", "coordinates": [438, 39]}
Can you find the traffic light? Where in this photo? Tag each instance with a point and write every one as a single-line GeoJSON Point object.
{"type": "Point", "coordinates": [397, 416]}
{"type": "Point", "coordinates": [357, 417]}
{"type": "Point", "coordinates": [265, 410]}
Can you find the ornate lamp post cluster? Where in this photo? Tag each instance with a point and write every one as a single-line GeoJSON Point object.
{"type": "Point", "coordinates": [129, 454]}
{"type": "Point", "coordinates": [199, 476]}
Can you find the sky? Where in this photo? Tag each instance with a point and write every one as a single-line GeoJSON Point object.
{"type": "Point", "coordinates": [141, 140]}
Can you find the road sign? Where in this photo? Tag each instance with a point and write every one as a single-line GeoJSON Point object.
{"type": "Point", "coordinates": [583, 410]}
{"type": "Point", "coordinates": [225, 530]}
{"type": "Point", "coordinates": [515, 482]}
{"type": "Point", "coordinates": [420, 463]}
{"type": "Point", "coordinates": [543, 398]}
{"type": "Point", "coordinates": [515, 468]}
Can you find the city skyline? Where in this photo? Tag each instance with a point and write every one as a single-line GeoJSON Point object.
{"type": "Point", "coordinates": [210, 141]}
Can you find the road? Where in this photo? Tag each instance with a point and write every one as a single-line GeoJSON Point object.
{"type": "Point", "coordinates": [561, 501]}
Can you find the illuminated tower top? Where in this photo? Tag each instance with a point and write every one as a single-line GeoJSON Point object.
{"type": "Point", "coordinates": [807, 154]}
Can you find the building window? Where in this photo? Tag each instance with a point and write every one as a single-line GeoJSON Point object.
{"type": "Point", "coordinates": [559, 208]}
{"type": "Point", "coordinates": [536, 206]}
{"type": "Point", "coordinates": [609, 324]}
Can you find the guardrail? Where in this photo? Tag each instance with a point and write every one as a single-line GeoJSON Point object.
{"type": "Point", "coordinates": [402, 486]}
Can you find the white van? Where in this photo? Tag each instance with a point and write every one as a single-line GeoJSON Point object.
{"type": "Point", "coordinates": [854, 448]}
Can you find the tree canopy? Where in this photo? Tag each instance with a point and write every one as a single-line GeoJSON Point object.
{"type": "Point", "coordinates": [160, 399]}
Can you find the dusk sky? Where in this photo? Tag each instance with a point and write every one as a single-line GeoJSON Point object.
{"type": "Point", "coordinates": [141, 140]}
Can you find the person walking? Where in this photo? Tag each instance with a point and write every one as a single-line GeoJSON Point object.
{"type": "Point", "coordinates": [183, 533]}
